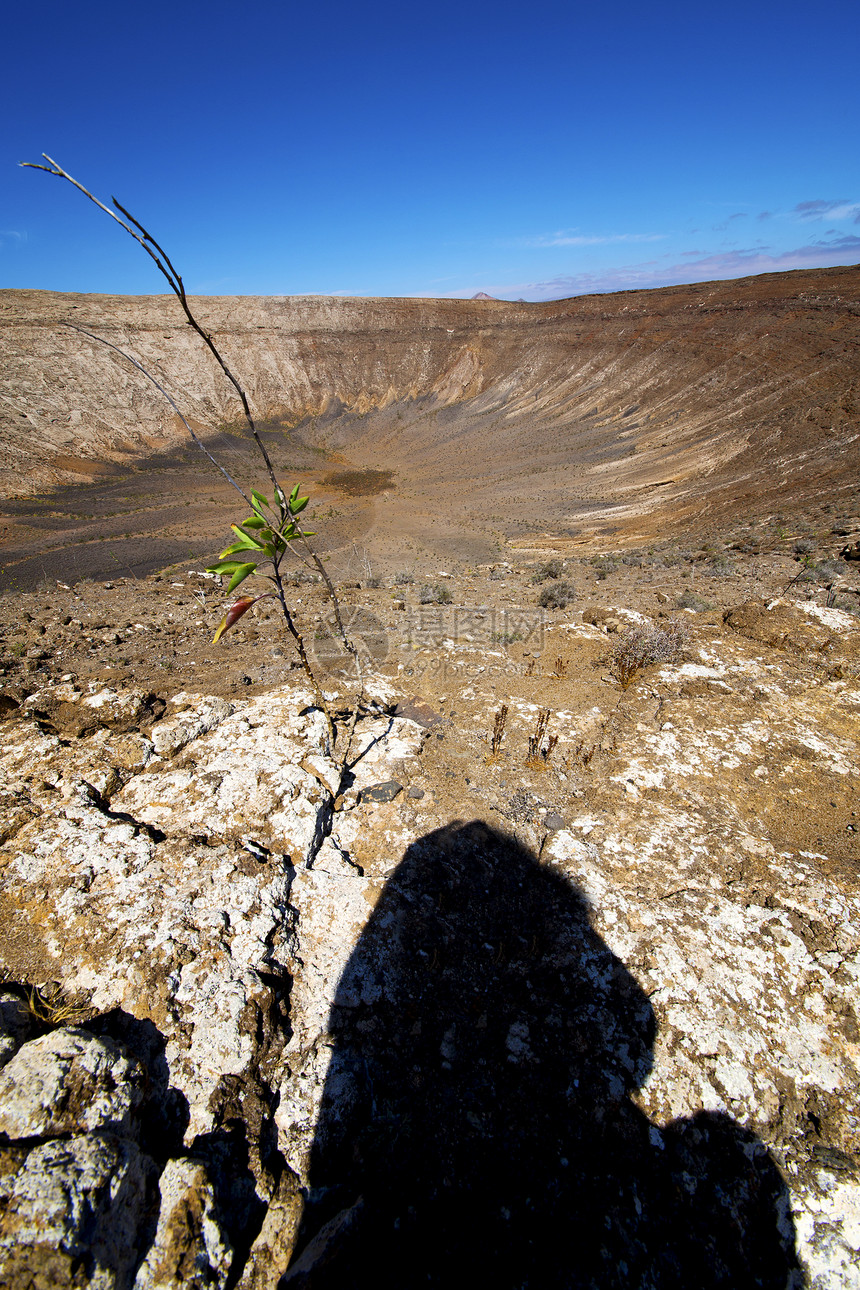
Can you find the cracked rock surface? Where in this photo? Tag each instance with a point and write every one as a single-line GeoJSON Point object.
{"type": "Point", "coordinates": [607, 988]}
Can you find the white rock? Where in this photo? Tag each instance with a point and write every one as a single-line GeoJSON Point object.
{"type": "Point", "coordinates": [71, 1204]}
{"type": "Point", "coordinates": [68, 1081]}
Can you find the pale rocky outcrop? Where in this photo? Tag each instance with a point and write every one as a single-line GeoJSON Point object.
{"type": "Point", "coordinates": [68, 1082]}
{"type": "Point", "coordinates": [161, 868]}
{"type": "Point", "coordinates": [189, 1248]}
{"type": "Point", "coordinates": [75, 1212]}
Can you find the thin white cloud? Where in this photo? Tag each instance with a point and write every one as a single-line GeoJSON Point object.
{"type": "Point", "coordinates": [706, 267]}
{"type": "Point", "coordinates": [721, 228]}
{"type": "Point", "coordinates": [569, 237]}
{"type": "Point", "coordinates": [10, 235]}
{"type": "Point", "coordinates": [841, 208]}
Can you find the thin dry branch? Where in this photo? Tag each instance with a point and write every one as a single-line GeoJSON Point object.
{"type": "Point", "coordinates": [200, 444]}
{"type": "Point", "coordinates": [164, 265]}
{"type": "Point", "coordinates": [162, 262]}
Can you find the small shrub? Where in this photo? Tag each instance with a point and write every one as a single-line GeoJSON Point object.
{"type": "Point", "coordinates": [676, 556]}
{"type": "Point", "coordinates": [403, 578]}
{"type": "Point", "coordinates": [828, 571]}
{"type": "Point", "coordinates": [824, 572]}
{"type": "Point", "coordinates": [437, 594]}
{"type": "Point", "coordinates": [557, 596]}
{"type": "Point", "coordinates": [644, 645]}
{"type": "Point", "coordinates": [505, 638]}
{"type": "Point", "coordinates": [552, 569]}
{"type": "Point", "coordinates": [803, 546]}
{"type": "Point", "coordinates": [603, 565]}
{"type": "Point", "coordinates": [689, 600]}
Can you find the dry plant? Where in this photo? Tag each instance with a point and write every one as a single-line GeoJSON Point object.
{"type": "Point", "coordinates": [273, 528]}
{"type": "Point", "coordinates": [52, 1007]}
{"type": "Point", "coordinates": [581, 755]}
{"type": "Point", "coordinates": [558, 595]}
{"type": "Point", "coordinates": [540, 752]}
{"type": "Point", "coordinates": [498, 729]}
{"type": "Point", "coordinates": [560, 667]}
{"type": "Point", "coordinates": [644, 645]}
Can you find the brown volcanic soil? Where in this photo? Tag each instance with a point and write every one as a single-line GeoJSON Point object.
{"type": "Point", "coordinates": [610, 419]}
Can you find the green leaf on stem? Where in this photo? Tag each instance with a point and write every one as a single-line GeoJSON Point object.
{"type": "Point", "coordinates": [223, 566]}
{"type": "Point", "coordinates": [253, 522]}
{"type": "Point", "coordinates": [240, 575]}
{"type": "Point", "coordinates": [259, 501]}
{"type": "Point", "coordinates": [237, 547]}
{"type": "Point", "coordinates": [251, 542]}
{"type": "Point", "coordinates": [297, 506]}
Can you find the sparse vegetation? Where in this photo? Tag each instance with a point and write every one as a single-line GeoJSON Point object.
{"type": "Point", "coordinates": [435, 594]}
{"type": "Point", "coordinates": [603, 565]}
{"type": "Point", "coordinates": [848, 604]}
{"type": "Point", "coordinates": [551, 569]}
{"type": "Point", "coordinates": [498, 729]}
{"type": "Point", "coordinates": [823, 572]}
{"type": "Point", "coordinates": [505, 638]}
{"type": "Point", "coordinates": [558, 595]}
{"type": "Point", "coordinates": [689, 600]}
{"type": "Point", "coordinates": [644, 645]}
{"type": "Point", "coordinates": [540, 745]}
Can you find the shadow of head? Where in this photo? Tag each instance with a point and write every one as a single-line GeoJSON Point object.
{"type": "Point", "coordinates": [487, 1041]}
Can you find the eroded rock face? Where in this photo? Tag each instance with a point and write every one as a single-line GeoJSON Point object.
{"type": "Point", "coordinates": [278, 1035]}
{"type": "Point", "coordinates": [75, 1213]}
{"type": "Point", "coordinates": [68, 1081]}
{"type": "Point", "coordinates": [189, 1248]}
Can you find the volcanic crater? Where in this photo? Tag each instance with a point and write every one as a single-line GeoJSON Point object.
{"type": "Point", "coordinates": [562, 978]}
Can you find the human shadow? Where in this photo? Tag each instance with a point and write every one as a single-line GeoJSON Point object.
{"type": "Point", "coordinates": [477, 1125]}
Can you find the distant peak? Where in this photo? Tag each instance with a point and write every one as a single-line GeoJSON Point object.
{"type": "Point", "coordinates": [482, 295]}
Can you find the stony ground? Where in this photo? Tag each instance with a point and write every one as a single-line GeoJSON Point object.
{"type": "Point", "coordinates": [685, 1008]}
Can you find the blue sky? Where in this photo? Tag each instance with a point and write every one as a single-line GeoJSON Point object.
{"type": "Point", "coordinates": [532, 150]}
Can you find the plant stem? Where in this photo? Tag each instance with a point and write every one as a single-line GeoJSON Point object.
{"type": "Point", "coordinates": [163, 263]}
